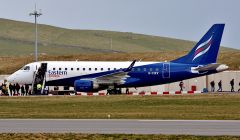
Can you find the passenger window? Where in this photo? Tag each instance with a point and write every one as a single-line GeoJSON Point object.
{"type": "Point", "coordinates": [101, 69]}
{"type": "Point", "coordinates": [60, 68]}
{"type": "Point", "coordinates": [72, 69]}
{"type": "Point", "coordinates": [157, 69]}
{"type": "Point", "coordinates": [90, 69]}
{"type": "Point", "coordinates": [150, 69]}
{"type": "Point", "coordinates": [139, 69]}
{"type": "Point", "coordinates": [65, 68]}
{"type": "Point", "coordinates": [115, 68]}
{"type": "Point", "coordinates": [144, 69]}
{"type": "Point", "coordinates": [133, 69]}
{"type": "Point", "coordinates": [54, 68]}
{"type": "Point", "coordinates": [83, 69]}
{"type": "Point", "coordinates": [95, 69]}
{"type": "Point", "coordinates": [77, 69]}
{"type": "Point", "coordinates": [108, 68]}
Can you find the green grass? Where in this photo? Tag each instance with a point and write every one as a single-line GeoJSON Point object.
{"type": "Point", "coordinates": [17, 39]}
{"type": "Point", "coordinates": [17, 48]}
{"type": "Point", "coordinates": [211, 107]}
{"type": "Point", "coordinates": [70, 136]}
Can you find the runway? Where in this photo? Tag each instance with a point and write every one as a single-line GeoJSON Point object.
{"type": "Point", "coordinates": [113, 126]}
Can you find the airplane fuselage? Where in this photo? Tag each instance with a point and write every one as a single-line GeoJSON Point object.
{"type": "Point", "coordinates": [65, 73]}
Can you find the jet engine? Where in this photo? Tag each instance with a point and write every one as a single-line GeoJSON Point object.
{"type": "Point", "coordinates": [85, 86]}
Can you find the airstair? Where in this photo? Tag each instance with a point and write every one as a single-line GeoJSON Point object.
{"type": "Point", "coordinates": [39, 78]}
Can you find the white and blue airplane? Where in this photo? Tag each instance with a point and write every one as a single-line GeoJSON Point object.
{"type": "Point", "coordinates": [88, 76]}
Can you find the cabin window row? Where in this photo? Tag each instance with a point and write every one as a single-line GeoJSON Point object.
{"type": "Point", "coordinates": [145, 69]}
{"type": "Point", "coordinates": [83, 69]}
{"type": "Point", "coordinates": [134, 69]}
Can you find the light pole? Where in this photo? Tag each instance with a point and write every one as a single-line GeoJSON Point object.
{"type": "Point", "coordinates": [36, 14]}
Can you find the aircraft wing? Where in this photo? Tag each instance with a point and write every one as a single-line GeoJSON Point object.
{"type": "Point", "coordinates": [117, 77]}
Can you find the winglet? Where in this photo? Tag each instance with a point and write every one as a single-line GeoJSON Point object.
{"type": "Point", "coordinates": [130, 67]}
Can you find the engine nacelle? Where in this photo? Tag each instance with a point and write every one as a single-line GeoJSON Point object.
{"type": "Point", "coordinates": [85, 86]}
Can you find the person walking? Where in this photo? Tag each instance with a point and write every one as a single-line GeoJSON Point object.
{"type": "Point", "coordinates": [4, 89]}
{"type": "Point", "coordinates": [14, 88]}
{"type": "Point", "coordinates": [27, 89]}
{"type": "Point", "coordinates": [22, 91]}
{"type": "Point", "coordinates": [11, 89]}
{"type": "Point", "coordinates": [232, 85]}
{"type": "Point", "coordinates": [17, 88]}
{"type": "Point", "coordinates": [220, 86]}
{"type": "Point", "coordinates": [39, 88]}
{"type": "Point", "coordinates": [181, 86]}
{"type": "Point", "coordinates": [127, 90]}
{"type": "Point", "coordinates": [212, 86]}
{"type": "Point", "coordinates": [109, 91]}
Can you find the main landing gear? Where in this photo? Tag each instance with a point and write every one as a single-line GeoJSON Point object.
{"type": "Point", "coordinates": [114, 91]}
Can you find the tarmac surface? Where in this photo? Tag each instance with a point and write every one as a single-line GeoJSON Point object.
{"type": "Point", "coordinates": [114, 126]}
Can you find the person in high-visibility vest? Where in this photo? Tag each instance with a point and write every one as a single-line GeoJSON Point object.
{"type": "Point", "coordinates": [39, 86]}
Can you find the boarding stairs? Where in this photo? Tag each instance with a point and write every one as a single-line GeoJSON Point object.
{"type": "Point", "coordinates": [39, 78]}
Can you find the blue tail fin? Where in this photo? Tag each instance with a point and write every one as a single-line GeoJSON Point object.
{"type": "Point", "coordinates": [206, 50]}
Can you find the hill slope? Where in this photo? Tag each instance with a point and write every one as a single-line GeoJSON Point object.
{"type": "Point", "coordinates": [12, 63]}
{"type": "Point", "coordinates": [17, 38]}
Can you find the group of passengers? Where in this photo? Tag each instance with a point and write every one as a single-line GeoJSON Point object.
{"type": "Point", "coordinates": [14, 89]}
{"type": "Point", "coordinates": [212, 84]}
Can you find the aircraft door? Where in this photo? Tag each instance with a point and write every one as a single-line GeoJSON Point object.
{"type": "Point", "coordinates": [35, 67]}
{"type": "Point", "coordinates": [166, 70]}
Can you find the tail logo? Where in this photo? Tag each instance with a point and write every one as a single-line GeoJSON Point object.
{"type": "Point", "coordinates": [202, 48]}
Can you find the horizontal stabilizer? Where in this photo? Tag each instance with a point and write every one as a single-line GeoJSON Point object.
{"type": "Point", "coordinates": [210, 67]}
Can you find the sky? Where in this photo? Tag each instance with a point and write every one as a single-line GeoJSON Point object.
{"type": "Point", "coordinates": [182, 19]}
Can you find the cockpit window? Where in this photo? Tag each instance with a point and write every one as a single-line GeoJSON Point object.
{"type": "Point", "coordinates": [26, 68]}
